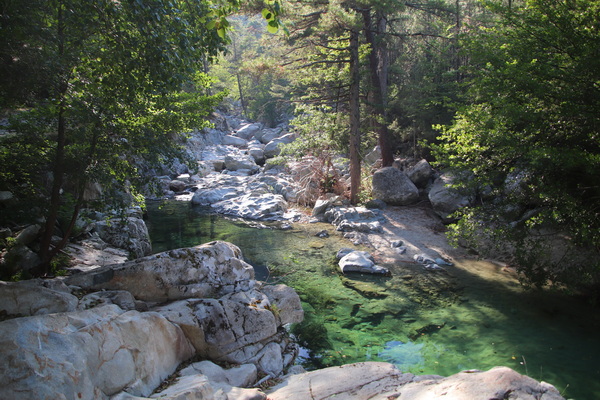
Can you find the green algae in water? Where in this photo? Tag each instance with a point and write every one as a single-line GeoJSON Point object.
{"type": "Point", "coordinates": [359, 318]}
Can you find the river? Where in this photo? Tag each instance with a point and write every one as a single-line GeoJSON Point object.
{"type": "Point", "coordinates": [483, 319]}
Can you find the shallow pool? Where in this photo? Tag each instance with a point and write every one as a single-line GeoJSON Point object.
{"type": "Point", "coordinates": [474, 317]}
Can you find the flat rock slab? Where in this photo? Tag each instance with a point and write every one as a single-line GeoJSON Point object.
{"type": "Point", "coordinates": [383, 381]}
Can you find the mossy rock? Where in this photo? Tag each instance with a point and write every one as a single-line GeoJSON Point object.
{"type": "Point", "coordinates": [367, 289]}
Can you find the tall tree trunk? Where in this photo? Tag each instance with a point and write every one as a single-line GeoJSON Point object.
{"type": "Point", "coordinates": [57, 181]}
{"type": "Point", "coordinates": [236, 61]}
{"type": "Point", "coordinates": [59, 158]}
{"type": "Point", "coordinates": [378, 71]}
{"type": "Point", "coordinates": [241, 90]}
{"type": "Point", "coordinates": [354, 118]}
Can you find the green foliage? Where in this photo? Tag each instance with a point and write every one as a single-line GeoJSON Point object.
{"type": "Point", "coordinates": [530, 134]}
{"type": "Point", "coordinates": [120, 85]}
{"type": "Point", "coordinates": [251, 72]}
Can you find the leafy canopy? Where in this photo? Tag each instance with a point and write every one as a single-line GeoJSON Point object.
{"type": "Point", "coordinates": [531, 132]}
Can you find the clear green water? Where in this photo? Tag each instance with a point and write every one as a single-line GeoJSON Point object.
{"type": "Point", "coordinates": [475, 317]}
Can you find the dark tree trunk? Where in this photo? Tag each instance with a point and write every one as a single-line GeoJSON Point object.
{"type": "Point", "coordinates": [354, 118]}
{"type": "Point", "coordinates": [378, 71]}
{"type": "Point", "coordinates": [59, 158]}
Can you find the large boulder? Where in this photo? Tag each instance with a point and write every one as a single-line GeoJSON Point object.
{"type": "Point", "coordinates": [240, 328]}
{"type": "Point", "coordinates": [90, 354]}
{"type": "Point", "coordinates": [201, 387]}
{"type": "Point", "coordinates": [266, 135]}
{"type": "Point", "coordinates": [257, 152]}
{"type": "Point", "coordinates": [130, 233]}
{"type": "Point", "coordinates": [177, 185]}
{"type": "Point", "coordinates": [261, 206]}
{"type": "Point", "coordinates": [207, 197]}
{"type": "Point", "coordinates": [375, 380]}
{"type": "Point", "coordinates": [394, 187]}
{"type": "Point", "coordinates": [255, 197]}
{"type": "Point", "coordinates": [236, 162]}
{"type": "Point", "coordinates": [229, 140]}
{"type": "Point", "coordinates": [248, 131]}
{"type": "Point", "coordinates": [209, 270]}
{"type": "Point", "coordinates": [20, 258]}
{"type": "Point", "coordinates": [285, 303]}
{"type": "Point", "coordinates": [420, 173]}
{"type": "Point", "coordinates": [373, 156]}
{"type": "Point", "coordinates": [272, 147]}
{"type": "Point", "coordinates": [446, 200]}
{"type": "Point", "coordinates": [360, 219]}
{"type": "Point", "coordinates": [28, 298]}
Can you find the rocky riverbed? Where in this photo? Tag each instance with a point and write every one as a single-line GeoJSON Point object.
{"type": "Point", "coordinates": [194, 323]}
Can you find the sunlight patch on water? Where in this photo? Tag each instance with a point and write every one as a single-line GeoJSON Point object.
{"type": "Point", "coordinates": [403, 355]}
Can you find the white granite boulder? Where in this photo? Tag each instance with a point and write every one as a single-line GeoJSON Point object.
{"type": "Point", "coordinates": [272, 147]}
{"type": "Point", "coordinates": [90, 354]}
{"type": "Point", "coordinates": [230, 140]}
{"type": "Point", "coordinates": [382, 381]}
{"type": "Point", "coordinates": [240, 161]}
{"type": "Point", "coordinates": [264, 206]}
{"type": "Point", "coordinates": [240, 328]}
{"type": "Point", "coordinates": [26, 298]}
{"type": "Point", "coordinates": [248, 131]}
{"type": "Point", "coordinates": [393, 187]}
{"type": "Point", "coordinates": [266, 135]}
{"type": "Point", "coordinates": [209, 270]}
{"type": "Point", "coordinates": [128, 233]}
{"type": "Point", "coordinates": [359, 219]}
{"type": "Point", "coordinates": [362, 262]}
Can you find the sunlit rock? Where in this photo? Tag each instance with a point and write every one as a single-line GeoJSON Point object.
{"type": "Point", "coordinates": [359, 219]}
{"type": "Point", "coordinates": [128, 233]}
{"type": "Point", "coordinates": [247, 131]}
{"type": "Point", "coordinates": [394, 187]}
{"type": "Point", "coordinates": [240, 161]}
{"type": "Point", "coordinates": [229, 140]}
{"type": "Point", "coordinates": [88, 354]}
{"type": "Point", "coordinates": [375, 380]}
{"type": "Point", "coordinates": [209, 270]}
{"type": "Point", "coordinates": [360, 261]}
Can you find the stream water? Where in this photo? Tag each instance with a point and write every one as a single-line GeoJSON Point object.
{"type": "Point", "coordinates": [425, 324]}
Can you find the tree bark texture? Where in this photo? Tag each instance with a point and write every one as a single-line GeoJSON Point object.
{"type": "Point", "coordinates": [354, 117]}
{"type": "Point", "coordinates": [378, 71]}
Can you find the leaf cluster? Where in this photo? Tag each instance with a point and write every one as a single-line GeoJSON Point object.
{"type": "Point", "coordinates": [119, 79]}
{"type": "Point", "coordinates": [530, 133]}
